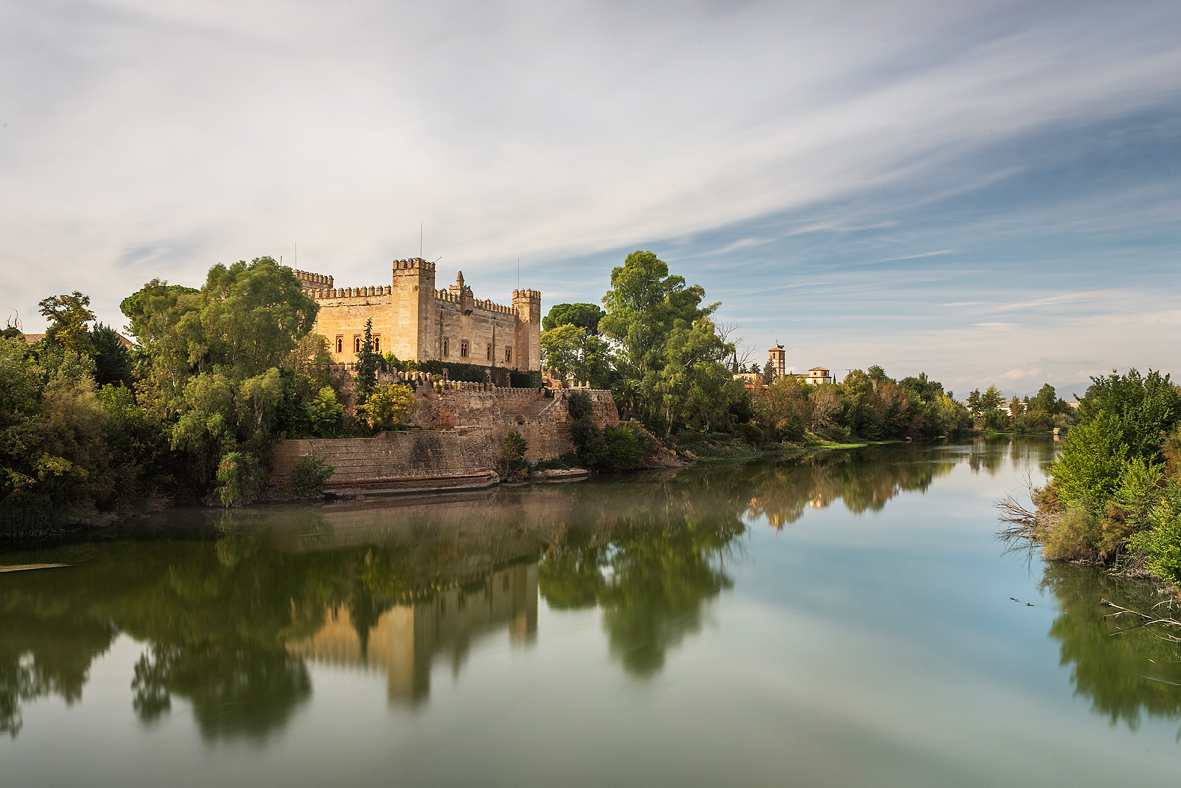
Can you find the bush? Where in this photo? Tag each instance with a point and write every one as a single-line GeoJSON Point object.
{"type": "Point", "coordinates": [579, 406]}
{"type": "Point", "coordinates": [995, 420]}
{"type": "Point", "coordinates": [623, 447]}
{"type": "Point", "coordinates": [525, 380]}
{"type": "Point", "coordinates": [310, 474]}
{"type": "Point", "coordinates": [1072, 537]}
{"type": "Point", "coordinates": [1088, 469]}
{"type": "Point", "coordinates": [751, 434]}
{"type": "Point", "coordinates": [469, 373]}
{"type": "Point", "coordinates": [511, 463]}
{"type": "Point", "coordinates": [388, 406]}
{"type": "Point", "coordinates": [1161, 542]}
{"type": "Point", "coordinates": [239, 478]}
{"type": "Point", "coordinates": [325, 414]}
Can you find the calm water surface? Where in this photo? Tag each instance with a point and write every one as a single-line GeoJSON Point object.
{"type": "Point", "coordinates": [846, 621]}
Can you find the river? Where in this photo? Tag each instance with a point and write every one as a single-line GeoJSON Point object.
{"type": "Point", "coordinates": [845, 620]}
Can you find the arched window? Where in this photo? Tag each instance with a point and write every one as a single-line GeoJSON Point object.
{"type": "Point", "coordinates": [446, 346]}
{"type": "Point", "coordinates": [489, 351]}
{"type": "Point", "coordinates": [340, 343]}
{"type": "Point", "coordinates": [463, 348]}
{"type": "Point", "coordinates": [508, 355]}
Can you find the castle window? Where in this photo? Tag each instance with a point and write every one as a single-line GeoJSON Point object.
{"type": "Point", "coordinates": [463, 348]}
{"type": "Point", "coordinates": [490, 351]}
{"type": "Point", "coordinates": [508, 355]}
{"type": "Point", "coordinates": [356, 343]}
{"type": "Point", "coordinates": [340, 343]}
{"type": "Point", "coordinates": [377, 343]}
{"type": "Point", "coordinates": [446, 345]}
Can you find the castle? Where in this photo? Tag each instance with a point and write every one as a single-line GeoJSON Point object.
{"type": "Point", "coordinates": [416, 322]}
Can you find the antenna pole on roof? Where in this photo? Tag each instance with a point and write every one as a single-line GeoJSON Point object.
{"type": "Point", "coordinates": [518, 272]}
{"type": "Point", "coordinates": [420, 240]}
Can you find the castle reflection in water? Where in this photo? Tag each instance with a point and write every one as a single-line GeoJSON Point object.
{"type": "Point", "coordinates": [407, 637]}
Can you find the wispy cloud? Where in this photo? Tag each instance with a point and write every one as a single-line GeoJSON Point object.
{"type": "Point", "coordinates": [986, 152]}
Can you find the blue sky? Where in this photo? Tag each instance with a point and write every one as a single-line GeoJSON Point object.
{"type": "Point", "coordinates": [988, 191]}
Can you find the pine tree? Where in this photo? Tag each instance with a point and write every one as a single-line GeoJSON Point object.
{"type": "Point", "coordinates": [367, 362]}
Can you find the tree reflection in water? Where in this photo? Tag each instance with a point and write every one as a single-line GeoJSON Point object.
{"type": "Point", "coordinates": [1125, 676]}
{"type": "Point", "coordinates": [650, 564]}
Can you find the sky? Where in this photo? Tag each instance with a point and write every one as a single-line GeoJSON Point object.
{"type": "Point", "coordinates": [989, 192]}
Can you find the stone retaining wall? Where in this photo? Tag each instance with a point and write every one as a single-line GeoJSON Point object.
{"type": "Point", "coordinates": [457, 445]}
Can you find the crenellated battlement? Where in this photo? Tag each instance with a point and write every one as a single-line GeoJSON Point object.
{"type": "Point", "coordinates": [413, 264]}
{"type": "Point", "coordinates": [486, 304]}
{"type": "Point", "coordinates": [527, 295]}
{"type": "Point", "coordinates": [313, 281]}
{"type": "Point", "coordinates": [351, 292]}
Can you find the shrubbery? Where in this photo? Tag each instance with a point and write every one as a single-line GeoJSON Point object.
{"type": "Point", "coordinates": [616, 448]}
{"type": "Point", "coordinates": [310, 474]}
{"type": "Point", "coordinates": [511, 463]}
{"type": "Point", "coordinates": [1115, 493]}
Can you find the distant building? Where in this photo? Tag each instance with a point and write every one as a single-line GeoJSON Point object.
{"type": "Point", "coordinates": [33, 339]}
{"type": "Point", "coordinates": [817, 376]}
{"type": "Point", "coordinates": [778, 360]}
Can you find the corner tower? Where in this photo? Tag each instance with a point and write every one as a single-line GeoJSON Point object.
{"type": "Point", "coordinates": [527, 304]}
{"type": "Point", "coordinates": [413, 309]}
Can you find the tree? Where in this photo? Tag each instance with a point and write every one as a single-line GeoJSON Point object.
{"type": "Point", "coordinates": [974, 403]}
{"type": "Point", "coordinates": [112, 361]}
{"type": "Point", "coordinates": [1045, 399]}
{"type": "Point", "coordinates": [768, 373]}
{"type": "Point", "coordinates": [68, 316]}
{"type": "Point", "coordinates": [1141, 407]}
{"type": "Point", "coordinates": [992, 399]}
{"type": "Point", "coordinates": [784, 409]}
{"type": "Point", "coordinates": [576, 354]}
{"type": "Point", "coordinates": [245, 320]}
{"type": "Point", "coordinates": [1016, 408]}
{"type": "Point", "coordinates": [367, 363]}
{"type": "Point", "coordinates": [643, 306]}
{"type": "Point", "coordinates": [585, 316]}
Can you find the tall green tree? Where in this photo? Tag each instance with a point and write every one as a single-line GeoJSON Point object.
{"type": "Point", "coordinates": [68, 316]}
{"type": "Point", "coordinates": [576, 354]}
{"type": "Point", "coordinates": [585, 316]}
{"type": "Point", "coordinates": [643, 306]}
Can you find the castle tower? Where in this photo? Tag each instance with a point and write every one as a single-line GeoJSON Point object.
{"type": "Point", "coordinates": [778, 360]}
{"type": "Point", "coordinates": [413, 309]}
{"type": "Point", "coordinates": [527, 303]}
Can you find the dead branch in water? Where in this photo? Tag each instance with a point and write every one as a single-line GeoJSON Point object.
{"type": "Point", "coordinates": [1145, 620]}
{"type": "Point", "coordinates": [1023, 523]}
